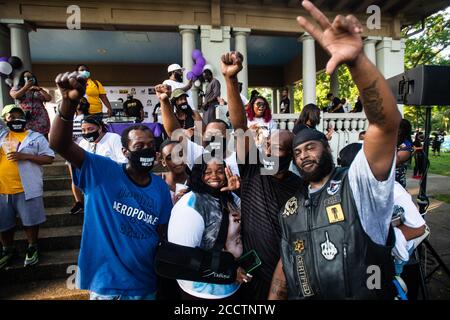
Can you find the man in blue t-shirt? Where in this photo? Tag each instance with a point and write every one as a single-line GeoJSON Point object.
{"type": "Point", "coordinates": [126, 207]}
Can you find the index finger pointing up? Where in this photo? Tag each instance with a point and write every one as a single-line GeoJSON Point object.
{"type": "Point", "coordinates": [316, 14]}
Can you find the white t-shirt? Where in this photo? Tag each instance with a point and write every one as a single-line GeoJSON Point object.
{"type": "Point", "coordinates": [109, 146]}
{"type": "Point", "coordinates": [374, 199]}
{"type": "Point", "coordinates": [403, 204]}
{"type": "Point", "coordinates": [175, 85]}
{"type": "Point", "coordinates": [194, 151]}
{"type": "Point", "coordinates": [244, 99]}
{"type": "Point", "coordinates": [190, 235]}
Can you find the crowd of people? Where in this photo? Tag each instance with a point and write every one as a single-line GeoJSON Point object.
{"type": "Point", "coordinates": [311, 227]}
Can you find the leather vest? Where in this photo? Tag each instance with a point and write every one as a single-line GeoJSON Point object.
{"type": "Point", "coordinates": [326, 253]}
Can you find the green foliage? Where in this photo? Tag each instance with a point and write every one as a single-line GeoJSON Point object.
{"type": "Point", "coordinates": [429, 47]}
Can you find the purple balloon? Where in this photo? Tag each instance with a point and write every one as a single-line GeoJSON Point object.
{"type": "Point", "coordinates": [196, 54]}
{"type": "Point", "coordinates": [4, 59]}
{"type": "Point", "coordinates": [190, 76]}
{"type": "Point", "coordinates": [197, 70]}
{"type": "Point", "coordinates": [200, 62]}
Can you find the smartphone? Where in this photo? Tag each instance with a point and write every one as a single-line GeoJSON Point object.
{"type": "Point", "coordinates": [249, 261]}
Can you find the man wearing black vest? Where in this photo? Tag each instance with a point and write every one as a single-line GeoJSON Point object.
{"type": "Point", "coordinates": [336, 236]}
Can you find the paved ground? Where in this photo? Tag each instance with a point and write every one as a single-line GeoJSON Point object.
{"type": "Point", "coordinates": [438, 219]}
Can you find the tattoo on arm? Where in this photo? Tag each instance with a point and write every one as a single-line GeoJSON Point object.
{"type": "Point", "coordinates": [373, 104]}
{"type": "Point", "coordinates": [279, 288]}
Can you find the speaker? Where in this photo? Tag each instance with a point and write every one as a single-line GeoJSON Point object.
{"type": "Point", "coordinates": [422, 86]}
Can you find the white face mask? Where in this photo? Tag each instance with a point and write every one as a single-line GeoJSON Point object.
{"type": "Point", "coordinates": [86, 74]}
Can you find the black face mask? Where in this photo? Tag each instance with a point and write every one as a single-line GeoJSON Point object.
{"type": "Point", "coordinates": [17, 125]}
{"type": "Point", "coordinates": [142, 160]}
{"type": "Point", "coordinates": [91, 137]}
{"type": "Point", "coordinates": [178, 77]}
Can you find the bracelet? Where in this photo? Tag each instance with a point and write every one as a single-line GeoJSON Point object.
{"type": "Point", "coordinates": [58, 113]}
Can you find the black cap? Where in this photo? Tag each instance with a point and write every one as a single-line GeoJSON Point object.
{"type": "Point", "coordinates": [308, 134]}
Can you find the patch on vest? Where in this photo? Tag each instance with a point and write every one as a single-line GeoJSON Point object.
{"type": "Point", "coordinates": [303, 277]}
{"type": "Point", "coordinates": [334, 187]}
{"type": "Point", "coordinates": [290, 208]}
{"type": "Point", "coordinates": [329, 250]}
{"type": "Point", "coordinates": [299, 246]}
{"type": "Point", "coordinates": [332, 200]}
{"type": "Point", "coordinates": [335, 213]}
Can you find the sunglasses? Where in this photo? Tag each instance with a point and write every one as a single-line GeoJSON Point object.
{"type": "Point", "coordinates": [261, 104]}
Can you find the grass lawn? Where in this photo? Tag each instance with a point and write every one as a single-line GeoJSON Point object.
{"type": "Point", "coordinates": [442, 197]}
{"type": "Point", "coordinates": [440, 165]}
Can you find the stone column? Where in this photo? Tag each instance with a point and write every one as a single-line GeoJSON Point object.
{"type": "Point", "coordinates": [215, 42]}
{"type": "Point", "coordinates": [20, 46]}
{"type": "Point", "coordinates": [369, 48]}
{"type": "Point", "coordinates": [188, 33]}
{"type": "Point", "coordinates": [309, 69]}
{"type": "Point", "coordinates": [5, 51]}
{"type": "Point", "coordinates": [390, 55]}
{"type": "Point", "coordinates": [334, 83]}
{"type": "Point", "coordinates": [240, 40]}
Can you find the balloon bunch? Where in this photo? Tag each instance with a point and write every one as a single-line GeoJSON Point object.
{"type": "Point", "coordinates": [197, 69]}
{"type": "Point", "coordinates": [7, 65]}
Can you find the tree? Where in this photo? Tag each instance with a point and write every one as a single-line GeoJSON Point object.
{"type": "Point", "coordinates": [426, 45]}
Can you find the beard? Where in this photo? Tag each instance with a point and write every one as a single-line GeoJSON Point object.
{"type": "Point", "coordinates": [324, 167]}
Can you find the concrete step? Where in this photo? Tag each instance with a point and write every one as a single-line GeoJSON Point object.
{"type": "Point", "coordinates": [58, 198]}
{"type": "Point", "coordinates": [57, 183]}
{"type": "Point", "coordinates": [56, 169]}
{"type": "Point", "coordinates": [42, 290]}
{"type": "Point", "coordinates": [52, 265]}
{"type": "Point", "coordinates": [58, 217]}
{"type": "Point", "coordinates": [51, 239]}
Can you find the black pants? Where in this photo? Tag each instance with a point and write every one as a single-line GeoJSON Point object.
{"type": "Point", "coordinates": [419, 165]}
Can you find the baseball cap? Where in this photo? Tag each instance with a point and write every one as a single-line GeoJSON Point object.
{"type": "Point", "coordinates": [308, 134]}
{"type": "Point", "coordinates": [178, 93]}
{"type": "Point", "coordinates": [10, 107]}
{"type": "Point", "coordinates": [174, 67]}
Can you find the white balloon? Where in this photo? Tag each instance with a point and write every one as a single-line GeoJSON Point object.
{"type": "Point", "coordinates": [5, 68]}
{"type": "Point", "coordinates": [197, 83]}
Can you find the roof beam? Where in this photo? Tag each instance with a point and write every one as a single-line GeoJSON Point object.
{"type": "Point", "coordinates": [363, 6]}
{"type": "Point", "coordinates": [216, 20]}
{"type": "Point", "coordinates": [341, 5]}
{"type": "Point", "coordinates": [294, 3]}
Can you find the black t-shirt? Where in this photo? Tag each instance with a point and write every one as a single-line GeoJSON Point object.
{"type": "Point", "coordinates": [358, 107]}
{"type": "Point", "coordinates": [285, 105]}
{"type": "Point", "coordinates": [133, 108]}
{"type": "Point", "coordinates": [262, 197]}
{"type": "Point", "coordinates": [336, 102]}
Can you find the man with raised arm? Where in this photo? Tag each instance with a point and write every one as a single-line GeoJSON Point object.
{"type": "Point", "coordinates": [266, 184]}
{"type": "Point", "coordinates": [337, 240]}
{"type": "Point", "coordinates": [127, 208]}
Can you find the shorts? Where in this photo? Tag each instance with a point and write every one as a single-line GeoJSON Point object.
{"type": "Point", "coordinates": [96, 296]}
{"type": "Point", "coordinates": [31, 212]}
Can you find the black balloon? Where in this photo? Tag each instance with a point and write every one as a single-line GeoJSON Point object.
{"type": "Point", "coordinates": [15, 62]}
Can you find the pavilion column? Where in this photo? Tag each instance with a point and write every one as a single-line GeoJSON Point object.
{"type": "Point", "coordinates": [20, 46]}
{"type": "Point", "coordinates": [370, 48]}
{"type": "Point", "coordinates": [240, 40]}
{"type": "Point", "coordinates": [390, 55]}
{"type": "Point", "coordinates": [291, 98]}
{"type": "Point", "coordinates": [188, 34]}
{"type": "Point", "coordinates": [334, 83]}
{"type": "Point", "coordinates": [5, 51]}
{"type": "Point", "coordinates": [215, 42]}
{"type": "Point", "coordinates": [275, 100]}
{"type": "Point", "coordinates": [309, 69]}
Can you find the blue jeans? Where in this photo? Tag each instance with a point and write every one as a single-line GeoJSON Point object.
{"type": "Point", "coordinates": [96, 296]}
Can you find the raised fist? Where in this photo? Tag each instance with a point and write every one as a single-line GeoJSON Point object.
{"type": "Point", "coordinates": [231, 64]}
{"type": "Point", "coordinates": [163, 91]}
{"type": "Point", "coordinates": [71, 85]}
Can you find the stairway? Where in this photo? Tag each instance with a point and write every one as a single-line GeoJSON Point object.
{"type": "Point", "coordinates": [59, 243]}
